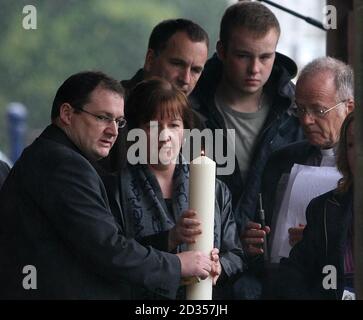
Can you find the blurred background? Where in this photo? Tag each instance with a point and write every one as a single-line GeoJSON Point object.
{"type": "Point", "coordinates": [108, 35]}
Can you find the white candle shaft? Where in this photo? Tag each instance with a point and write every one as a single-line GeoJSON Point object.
{"type": "Point", "coordinates": [202, 200]}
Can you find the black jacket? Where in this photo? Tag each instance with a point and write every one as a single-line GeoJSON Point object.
{"type": "Point", "coordinates": [128, 85]}
{"type": "Point", "coordinates": [301, 275]}
{"type": "Point", "coordinates": [279, 163]}
{"type": "Point", "coordinates": [55, 216]}
{"type": "Point", "coordinates": [279, 129]}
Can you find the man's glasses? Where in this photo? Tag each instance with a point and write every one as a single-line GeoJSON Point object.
{"type": "Point", "coordinates": [120, 122]}
{"type": "Point", "coordinates": [318, 113]}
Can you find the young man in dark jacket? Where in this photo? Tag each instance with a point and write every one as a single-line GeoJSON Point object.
{"type": "Point", "coordinates": [246, 87]}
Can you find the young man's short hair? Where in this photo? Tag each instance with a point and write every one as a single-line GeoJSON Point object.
{"type": "Point", "coordinates": [251, 15]}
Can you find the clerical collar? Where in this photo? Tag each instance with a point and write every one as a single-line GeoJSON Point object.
{"type": "Point", "coordinates": [328, 157]}
{"type": "Point", "coordinates": [328, 152]}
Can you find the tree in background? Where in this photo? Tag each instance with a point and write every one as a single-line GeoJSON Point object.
{"type": "Point", "coordinates": [71, 35]}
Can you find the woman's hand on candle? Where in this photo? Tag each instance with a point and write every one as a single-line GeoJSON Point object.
{"type": "Point", "coordinates": [253, 238]}
{"type": "Point", "coordinates": [186, 230]}
{"type": "Point", "coordinates": [195, 264]}
{"type": "Point", "coordinates": [216, 266]}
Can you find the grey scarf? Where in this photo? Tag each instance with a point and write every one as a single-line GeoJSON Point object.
{"type": "Point", "coordinates": [145, 202]}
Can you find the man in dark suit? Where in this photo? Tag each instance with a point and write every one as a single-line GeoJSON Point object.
{"type": "Point", "coordinates": [4, 171]}
{"type": "Point", "coordinates": [58, 238]}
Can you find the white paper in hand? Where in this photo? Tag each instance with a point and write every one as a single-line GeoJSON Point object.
{"type": "Point", "coordinates": [308, 183]}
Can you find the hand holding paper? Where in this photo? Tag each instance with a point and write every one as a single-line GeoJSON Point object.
{"type": "Point", "coordinates": [305, 183]}
{"type": "Point", "coordinates": [296, 234]}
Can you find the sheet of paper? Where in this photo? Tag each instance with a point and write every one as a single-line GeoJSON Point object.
{"type": "Point", "coordinates": [309, 182]}
{"type": "Point", "coordinates": [279, 236]}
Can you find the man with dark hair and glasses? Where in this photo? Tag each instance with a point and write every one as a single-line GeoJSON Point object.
{"type": "Point", "coordinates": [324, 97]}
{"type": "Point", "coordinates": [106, 120]}
{"type": "Point", "coordinates": [58, 237]}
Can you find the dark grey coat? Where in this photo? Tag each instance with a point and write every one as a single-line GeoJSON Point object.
{"type": "Point", "coordinates": [301, 275]}
{"type": "Point", "coordinates": [55, 216]}
{"type": "Point", "coordinates": [139, 197]}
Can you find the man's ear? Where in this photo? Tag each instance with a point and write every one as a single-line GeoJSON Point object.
{"type": "Point", "coordinates": [221, 52]}
{"type": "Point", "coordinates": [65, 113]}
{"type": "Point", "coordinates": [350, 105]}
{"type": "Point", "coordinates": [149, 60]}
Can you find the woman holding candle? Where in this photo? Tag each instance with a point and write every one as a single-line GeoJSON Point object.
{"type": "Point", "coordinates": [153, 195]}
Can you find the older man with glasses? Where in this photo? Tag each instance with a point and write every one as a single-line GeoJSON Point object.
{"type": "Point", "coordinates": [324, 97]}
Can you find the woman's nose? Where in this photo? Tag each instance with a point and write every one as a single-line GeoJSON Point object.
{"type": "Point", "coordinates": [164, 135]}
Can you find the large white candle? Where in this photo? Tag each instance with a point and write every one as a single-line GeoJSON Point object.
{"type": "Point", "coordinates": [201, 199]}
